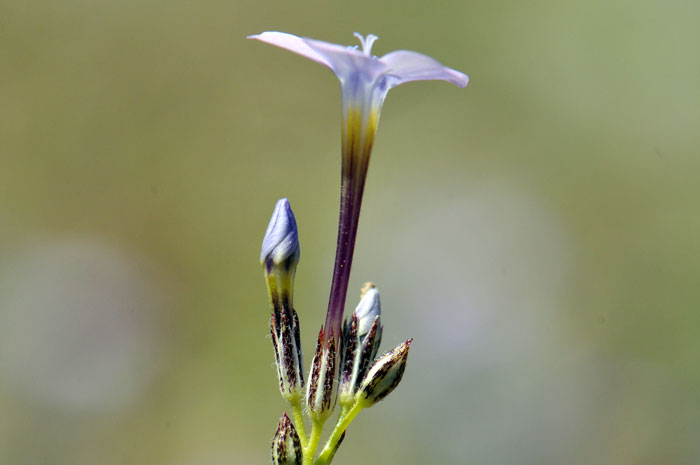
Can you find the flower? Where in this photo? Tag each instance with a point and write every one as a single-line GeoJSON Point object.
{"type": "Point", "coordinates": [365, 80]}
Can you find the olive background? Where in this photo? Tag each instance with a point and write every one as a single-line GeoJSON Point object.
{"type": "Point", "coordinates": [537, 233]}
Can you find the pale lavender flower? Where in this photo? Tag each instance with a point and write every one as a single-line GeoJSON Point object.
{"type": "Point", "coordinates": [365, 80]}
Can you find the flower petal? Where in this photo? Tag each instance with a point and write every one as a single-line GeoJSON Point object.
{"type": "Point", "coordinates": [292, 43]}
{"type": "Point", "coordinates": [406, 66]}
{"type": "Point", "coordinates": [347, 61]}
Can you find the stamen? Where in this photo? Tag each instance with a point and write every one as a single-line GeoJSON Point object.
{"type": "Point", "coordinates": [366, 42]}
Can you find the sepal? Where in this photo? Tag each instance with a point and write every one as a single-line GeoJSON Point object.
{"type": "Point", "coordinates": [286, 339]}
{"type": "Point", "coordinates": [384, 376]}
{"type": "Point", "coordinates": [286, 446]}
{"type": "Point", "coordinates": [321, 390]}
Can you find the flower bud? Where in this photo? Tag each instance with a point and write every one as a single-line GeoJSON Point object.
{"type": "Point", "coordinates": [280, 253]}
{"type": "Point", "coordinates": [368, 309]}
{"type": "Point", "coordinates": [286, 339]}
{"type": "Point", "coordinates": [321, 389]}
{"type": "Point", "coordinates": [384, 376]}
{"type": "Point", "coordinates": [286, 447]}
{"type": "Point", "coordinates": [361, 338]}
{"type": "Point", "coordinates": [281, 242]}
{"type": "Point", "coordinates": [279, 257]}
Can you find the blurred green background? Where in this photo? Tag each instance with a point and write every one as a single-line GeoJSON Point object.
{"type": "Point", "coordinates": [537, 233]}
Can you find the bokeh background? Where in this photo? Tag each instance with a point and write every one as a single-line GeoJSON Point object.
{"type": "Point", "coordinates": [537, 233]}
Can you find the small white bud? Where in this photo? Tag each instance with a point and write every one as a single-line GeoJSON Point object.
{"type": "Point", "coordinates": [368, 309]}
{"type": "Point", "coordinates": [361, 338]}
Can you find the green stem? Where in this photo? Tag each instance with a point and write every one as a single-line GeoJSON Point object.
{"type": "Point", "coordinates": [344, 420]}
{"type": "Point", "coordinates": [312, 445]}
{"type": "Point", "coordinates": [299, 421]}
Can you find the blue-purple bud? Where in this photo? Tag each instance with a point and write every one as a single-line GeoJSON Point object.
{"type": "Point", "coordinates": [279, 258]}
{"type": "Point", "coordinates": [281, 243]}
{"type": "Point", "coordinates": [280, 255]}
